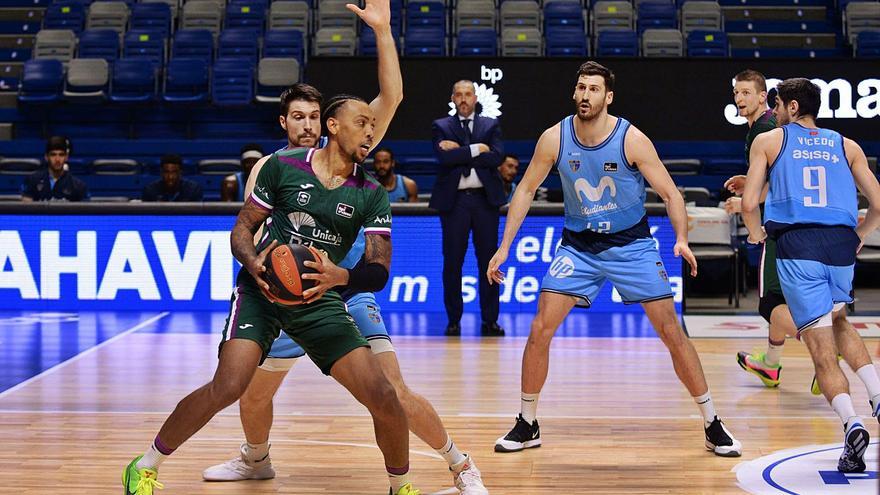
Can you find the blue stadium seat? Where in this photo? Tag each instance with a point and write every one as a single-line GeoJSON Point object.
{"type": "Point", "coordinates": [154, 16]}
{"type": "Point", "coordinates": [285, 43]}
{"type": "Point", "coordinates": [232, 83]}
{"type": "Point", "coordinates": [186, 81]}
{"type": "Point", "coordinates": [566, 14]}
{"type": "Point", "coordinates": [42, 81]}
{"type": "Point", "coordinates": [566, 42]}
{"type": "Point", "coordinates": [367, 41]}
{"type": "Point", "coordinates": [239, 43]}
{"type": "Point", "coordinates": [868, 44]}
{"type": "Point", "coordinates": [476, 43]}
{"type": "Point", "coordinates": [143, 44]}
{"type": "Point", "coordinates": [426, 13]}
{"type": "Point", "coordinates": [707, 44]}
{"type": "Point", "coordinates": [68, 14]}
{"type": "Point", "coordinates": [99, 43]}
{"type": "Point", "coordinates": [617, 44]}
{"type": "Point", "coordinates": [250, 14]}
{"type": "Point", "coordinates": [133, 81]}
{"type": "Point", "coordinates": [654, 14]}
{"type": "Point", "coordinates": [424, 42]}
{"type": "Point", "coordinates": [193, 43]}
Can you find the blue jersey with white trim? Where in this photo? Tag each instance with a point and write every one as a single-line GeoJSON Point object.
{"type": "Point", "coordinates": [810, 181]}
{"type": "Point", "coordinates": [602, 192]}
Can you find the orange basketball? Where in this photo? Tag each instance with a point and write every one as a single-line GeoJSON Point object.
{"type": "Point", "coordinates": [285, 267]}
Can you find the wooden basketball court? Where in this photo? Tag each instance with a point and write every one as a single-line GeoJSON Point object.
{"type": "Point", "coordinates": [614, 417]}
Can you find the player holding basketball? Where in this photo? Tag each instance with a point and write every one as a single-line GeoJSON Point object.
{"type": "Point", "coordinates": [300, 108]}
{"type": "Point", "coordinates": [320, 198]}
{"type": "Point", "coordinates": [603, 162]}
{"type": "Point", "coordinates": [812, 213]}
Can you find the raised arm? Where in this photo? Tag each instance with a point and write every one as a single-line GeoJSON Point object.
{"type": "Point", "coordinates": [543, 159]}
{"type": "Point", "coordinates": [377, 15]}
{"type": "Point", "coordinates": [640, 150]}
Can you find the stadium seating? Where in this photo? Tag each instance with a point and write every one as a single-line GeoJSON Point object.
{"type": "Point", "coordinates": [201, 14]}
{"type": "Point", "coordinates": [108, 15]}
{"type": "Point", "coordinates": [99, 43]}
{"type": "Point", "coordinates": [476, 42]}
{"type": "Point", "coordinates": [662, 43]}
{"type": "Point", "coordinates": [156, 17]}
{"type": "Point", "coordinates": [285, 43]}
{"type": "Point", "coordinates": [186, 80]}
{"type": "Point", "coordinates": [273, 75]}
{"type": "Point", "coordinates": [59, 44]}
{"type": "Point", "coordinates": [424, 40]}
{"type": "Point", "coordinates": [867, 44]}
{"type": "Point", "coordinates": [133, 81]}
{"type": "Point", "coordinates": [567, 42]}
{"type": "Point", "coordinates": [617, 43]}
{"type": "Point", "coordinates": [148, 45]}
{"type": "Point", "coordinates": [239, 43]}
{"type": "Point", "coordinates": [707, 44]}
{"type": "Point", "coordinates": [42, 81]}
{"type": "Point", "coordinates": [232, 83]}
{"type": "Point", "coordinates": [521, 14]}
{"type": "Point", "coordinates": [246, 14]}
{"type": "Point", "coordinates": [87, 80]}
{"type": "Point", "coordinates": [285, 14]}
{"type": "Point", "coordinates": [193, 43]}
{"type": "Point", "coordinates": [522, 42]}
{"type": "Point", "coordinates": [68, 14]}
{"type": "Point", "coordinates": [335, 42]}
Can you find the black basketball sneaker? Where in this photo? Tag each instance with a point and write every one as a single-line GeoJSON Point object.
{"type": "Point", "coordinates": [720, 441]}
{"type": "Point", "coordinates": [522, 436]}
{"type": "Point", "coordinates": [852, 460]}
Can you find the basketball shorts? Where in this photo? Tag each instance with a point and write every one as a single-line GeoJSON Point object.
{"type": "Point", "coordinates": [635, 269]}
{"type": "Point", "coordinates": [769, 290]}
{"type": "Point", "coordinates": [368, 318]}
{"type": "Point", "coordinates": [816, 271]}
{"type": "Point", "coordinates": [324, 329]}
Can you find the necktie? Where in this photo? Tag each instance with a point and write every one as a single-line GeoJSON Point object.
{"type": "Point", "coordinates": [465, 125]}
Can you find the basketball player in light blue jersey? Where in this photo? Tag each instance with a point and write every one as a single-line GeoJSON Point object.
{"type": "Point", "coordinates": [811, 211]}
{"type": "Point", "coordinates": [300, 119]}
{"type": "Point", "coordinates": [603, 162]}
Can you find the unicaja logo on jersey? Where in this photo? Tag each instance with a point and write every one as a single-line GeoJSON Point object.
{"type": "Point", "coordinates": [562, 267]}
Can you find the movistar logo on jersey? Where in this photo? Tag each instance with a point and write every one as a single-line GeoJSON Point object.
{"type": "Point", "coordinates": [595, 193]}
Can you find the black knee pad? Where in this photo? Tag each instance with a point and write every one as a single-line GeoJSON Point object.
{"type": "Point", "coordinates": [768, 303]}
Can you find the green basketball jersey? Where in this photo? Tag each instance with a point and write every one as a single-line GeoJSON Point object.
{"type": "Point", "coordinates": [303, 211]}
{"type": "Point", "coordinates": [766, 122]}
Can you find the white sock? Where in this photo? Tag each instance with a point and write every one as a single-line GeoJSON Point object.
{"type": "Point", "coordinates": [843, 406]}
{"type": "Point", "coordinates": [529, 406]}
{"type": "Point", "coordinates": [707, 408]}
{"type": "Point", "coordinates": [774, 354]}
{"type": "Point", "coordinates": [451, 453]}
{"type": "Point", "coordinates": [154, 457]}
{"type": "Point", "coordinates": [256, 453]}
{"type": "Point", "coordinates": [398, 477]}
{"type": "Point", "coordinates": [868, 375]}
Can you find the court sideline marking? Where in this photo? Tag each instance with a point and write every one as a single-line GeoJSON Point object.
{"type": "Point", "coordinates": [84, 353]}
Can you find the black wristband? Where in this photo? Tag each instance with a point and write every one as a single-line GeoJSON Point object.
{"type": "Point", "coordinates": [367, 277]}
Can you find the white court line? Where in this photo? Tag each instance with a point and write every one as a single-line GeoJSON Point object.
{"type": "Point", "coordinates": [458, 415]}
{"type": "Point", "coordinates": [85, 353]}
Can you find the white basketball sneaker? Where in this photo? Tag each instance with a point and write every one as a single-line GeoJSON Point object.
{"type": "Point", "coordinates": [240, 468]}
{"type": "Point", "coordinates": [468, 480]}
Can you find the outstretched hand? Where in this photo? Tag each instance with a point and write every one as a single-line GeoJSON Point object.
{"type": "Point", "coordinates": [376, 13]}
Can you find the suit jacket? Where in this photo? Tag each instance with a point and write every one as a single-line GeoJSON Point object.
{"type": "Point", "coordinates": [454, 163]}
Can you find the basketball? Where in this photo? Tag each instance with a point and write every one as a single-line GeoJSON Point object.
{"type": "Point", "coordinates": [285, 266]}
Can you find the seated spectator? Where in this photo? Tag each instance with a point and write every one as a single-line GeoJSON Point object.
{"type": "Point", "coordinates": [172, 187]}
{"type": "Point", "coordinates": [232, 187]}
{"type": "Point", "coordinates": [401, 189]}
{"type": "Point", "coordinates": [56, 183]}
{"type": "Point", "coordinates": [508, 170]}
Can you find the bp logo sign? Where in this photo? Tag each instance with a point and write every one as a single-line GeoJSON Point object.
{"type": "Point", "coordinates": [808, 470]}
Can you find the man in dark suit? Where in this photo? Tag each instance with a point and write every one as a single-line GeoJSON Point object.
{"type": "Point", "coordinates": [468, 193]}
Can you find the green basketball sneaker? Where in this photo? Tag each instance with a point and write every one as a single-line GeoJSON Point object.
{"type": "Point", "coordinates": [140, 481]}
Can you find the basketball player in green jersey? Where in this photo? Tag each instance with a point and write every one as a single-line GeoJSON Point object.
{"type": "Point", "coordinates": [319, 198]}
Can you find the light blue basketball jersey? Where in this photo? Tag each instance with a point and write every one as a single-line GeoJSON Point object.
{"type": "Point", "coordinates": [398, 194]}
{"type": "Point", "coordinates": [810, 181]}
{"type": "Point", "coordinates": [355, 253]}
{"type": "Point", "coordinates": [602, 192]}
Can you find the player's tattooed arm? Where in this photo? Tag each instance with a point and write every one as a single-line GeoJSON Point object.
{"type": "Point", "coordinates": [250, 218]}
{"type": "Point", "coordinates": [378, 250]}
